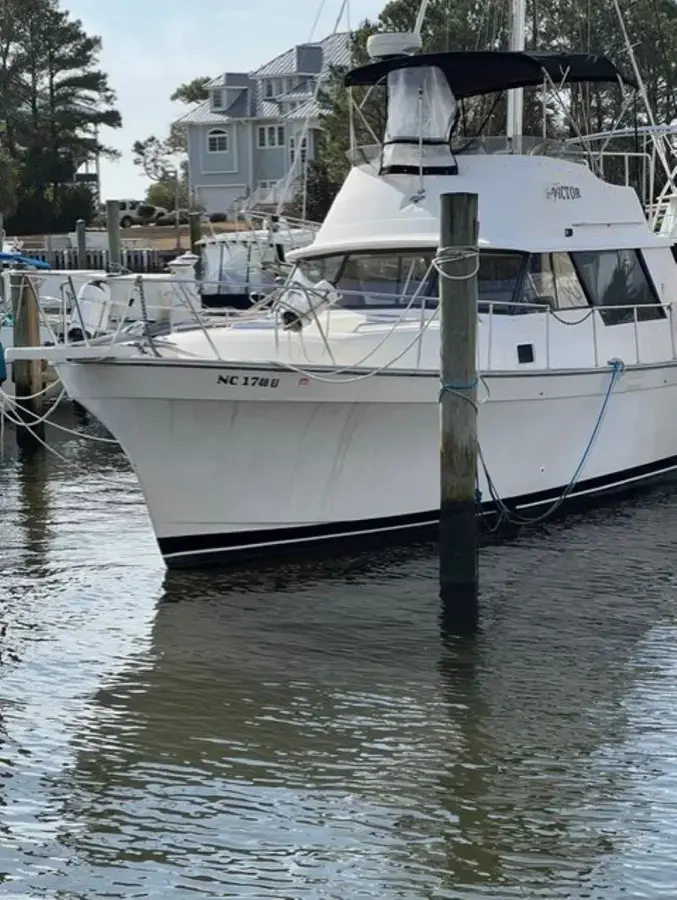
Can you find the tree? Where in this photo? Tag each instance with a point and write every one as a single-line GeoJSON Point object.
{"type": "Point", "coordinates": [158, 156]}
{"type": "Point", "coordinates": [192, 92]}
{"type": "Point", "coordinates": [158, 162]}
{"type": "Point", "coordinates": [319, 192]}
{"type": "Point", "coordinates": [556, 25]}
{"type": "Point", "coordinates": [53, 100]}
{"type": "Point", "coordinates": [9, 181]}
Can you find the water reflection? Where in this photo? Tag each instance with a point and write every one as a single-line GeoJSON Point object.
{"type": "Point", "coordinates": [306, 731]}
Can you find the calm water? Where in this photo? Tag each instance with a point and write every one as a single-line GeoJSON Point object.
{"type": "Point", "coordinates": [305, 732]}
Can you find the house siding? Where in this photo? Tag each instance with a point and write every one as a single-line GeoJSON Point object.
{"type": "Point", "coordinates": [218, 179]}
{"type": "Point", "coordinates": [221, 178]}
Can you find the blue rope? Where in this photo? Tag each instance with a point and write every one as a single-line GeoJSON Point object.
{"type": "Point", "coordinates": [468, 386]}
{"type": "Point", "coordinates": [617, 367]}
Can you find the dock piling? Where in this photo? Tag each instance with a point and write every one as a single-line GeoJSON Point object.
{"type": "Point", "coordinates": [458, 550]}
{"type": "Point", "coordinates": [114, 244]}
{"type": "Point", "coordinates": [27, 375]}
{"type": "Point", "coordinates": [81, 234]}
{"type": "Point", "coordinates": [195, 232]}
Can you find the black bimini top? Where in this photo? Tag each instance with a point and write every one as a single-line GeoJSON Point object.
{"type": "Point", "coordinates": [475, 72]}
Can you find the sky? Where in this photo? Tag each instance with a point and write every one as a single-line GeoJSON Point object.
{"type": "Point", "coordinates": [152, 46]}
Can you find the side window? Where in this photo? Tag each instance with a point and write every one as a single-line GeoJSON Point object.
{"type": "Point", "coordinates": [616, 278]}
{"type": "Point", "coordinates": [366, 277]}
{"type": "Point", "coordinates": [416, 275]}
{"type": "Point", "coordinates": [569, 293]}
{"type": "Point", "coordinates": [320, 267]}
{"type": "Point", "coordinates": [539, 281]}
{"type": "Point", "coordinates": [497, 281]}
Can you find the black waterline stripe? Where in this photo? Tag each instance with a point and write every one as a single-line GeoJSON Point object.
{"type": "Point", "coordinates": [206, 543]}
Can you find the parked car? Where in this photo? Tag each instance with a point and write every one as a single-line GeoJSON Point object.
{"type": "Point", "coordinates": [136, 212]}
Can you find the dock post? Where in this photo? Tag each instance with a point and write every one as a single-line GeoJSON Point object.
{"type": "Point", "coordinates": [27, 375]}
{"type": "Point", "coordinates": [81, 234]}
{"type": "Point", "coordinates": [458, 550]}
{"type": "Point", "coordinates": [195, 232]}
{"type": "Point", "coordinates": [113, 227]}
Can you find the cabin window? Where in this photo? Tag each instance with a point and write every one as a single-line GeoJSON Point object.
{"type": "Point", "coordinates": [217, 141]}
{"type": "Point", "coordinates": [498, 279]}
{"type": "Point", "coordinates": [390, 279]}
{"type": "Point", "coordinates": [384, 279]}
{"type": "Point", "coordinates": [617, 281]}
{"type": "Point", "coordinates": [551, 281]}
{"type": "Point", "coordinates": [569, 291]}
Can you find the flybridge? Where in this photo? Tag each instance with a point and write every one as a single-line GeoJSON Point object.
{"type": "Point", "coordinates": [424, 93]}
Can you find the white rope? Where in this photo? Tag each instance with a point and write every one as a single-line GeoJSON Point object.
{"type": "Point", "coordinates": [38, 420]}
{"type": "Point", "coordinates": [443, 255]}
{"type": "Point", "coordinates": [447, 255]}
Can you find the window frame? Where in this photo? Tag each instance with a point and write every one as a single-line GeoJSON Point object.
{"type": "Point", "coordinates": [429, 296]}
{"type": "Point", "coordinates": [270, 136]}
{"type": "Point", "coordinates": [218, 92]}
{"type": "Point", "coordinates": [610, 313]}
{"type": "Point", "coordinates": [217, 133]}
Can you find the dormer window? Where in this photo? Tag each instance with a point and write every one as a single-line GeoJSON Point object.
{"type": "Point", "coordinates": [269, 88]}
{"type": "Point", "coordinates": [217, 99]}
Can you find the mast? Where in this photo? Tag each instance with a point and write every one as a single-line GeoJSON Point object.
{"type": "Point", "coordinates": [518, 20]}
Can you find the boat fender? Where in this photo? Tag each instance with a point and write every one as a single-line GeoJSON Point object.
{"type": "Point", "coordinates": [3, 365]}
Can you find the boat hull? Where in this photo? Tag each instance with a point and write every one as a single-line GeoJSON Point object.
{"type": "Point", "coordinates": [240, 461]}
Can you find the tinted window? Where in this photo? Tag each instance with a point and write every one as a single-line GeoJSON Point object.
{"type": "Point", "coordinates": [616, 278]}
{"type": "Point", "coordinates": [371, 279]}
{"type": "Point", "coordinates": [497, 281]}
{"type": "Point", "coordinates": [391, 279]}
{"type": "Point", "coordinates": [319, 268]}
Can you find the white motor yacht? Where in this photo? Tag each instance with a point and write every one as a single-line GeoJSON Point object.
{"type": "Point", "coordinates": [318, 421]}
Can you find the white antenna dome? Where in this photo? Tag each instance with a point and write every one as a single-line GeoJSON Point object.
{"type": "Point", "coordinates": [393, 43]}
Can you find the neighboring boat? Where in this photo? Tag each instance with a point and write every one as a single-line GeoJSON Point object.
{"type": "Point", "coordinates": [239, 267]}
{"type": "Point", "coordinates": [318, 420]}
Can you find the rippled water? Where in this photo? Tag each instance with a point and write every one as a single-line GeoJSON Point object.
{"type": "Point", "coordinates": [307, 732]}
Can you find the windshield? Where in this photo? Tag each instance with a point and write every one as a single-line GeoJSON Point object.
{"type": "Point", "coordinates": [392, 278]}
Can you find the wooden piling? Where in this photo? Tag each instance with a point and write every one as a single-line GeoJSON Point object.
{"type": "Point", "coordinates": [195, 232]}
{"type": "Point", "coordinates": [458, 412]}
{"type": "Point", "coordinates": [81, 234]}
{"type": "Point", "coordinates": [27, 375]}
{"type": "Point", "coordinates": [114, 244]}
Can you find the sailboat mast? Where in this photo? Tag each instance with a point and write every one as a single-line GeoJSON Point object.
{"type": "Point", "coordinates": [518, 22]}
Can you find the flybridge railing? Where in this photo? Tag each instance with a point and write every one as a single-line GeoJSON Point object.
{"type": "Point", "coordinates": [560, 339]}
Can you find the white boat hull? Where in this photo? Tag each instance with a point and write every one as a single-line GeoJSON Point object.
{"type": "Point", "coordinates": [236, 461]}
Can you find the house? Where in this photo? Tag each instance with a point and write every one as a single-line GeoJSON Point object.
{"type": "Point", "coordinates": [243, 140]}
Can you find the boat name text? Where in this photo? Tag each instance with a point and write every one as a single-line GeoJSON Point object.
{"type": "Point", "coordinates": [248, 381]}
{"type": "Point", "coordinates": [563, 192]}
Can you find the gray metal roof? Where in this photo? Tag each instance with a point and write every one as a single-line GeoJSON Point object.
{"type": "Point", "coordinates": [311, 109]}
{"type": "Point", "coordinates": [251, 102]}
{"type": "Point", "coordinates": [335, 52]}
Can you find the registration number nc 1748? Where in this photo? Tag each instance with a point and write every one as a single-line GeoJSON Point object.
{"type": "Point", "coordinates": [259, 381]}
